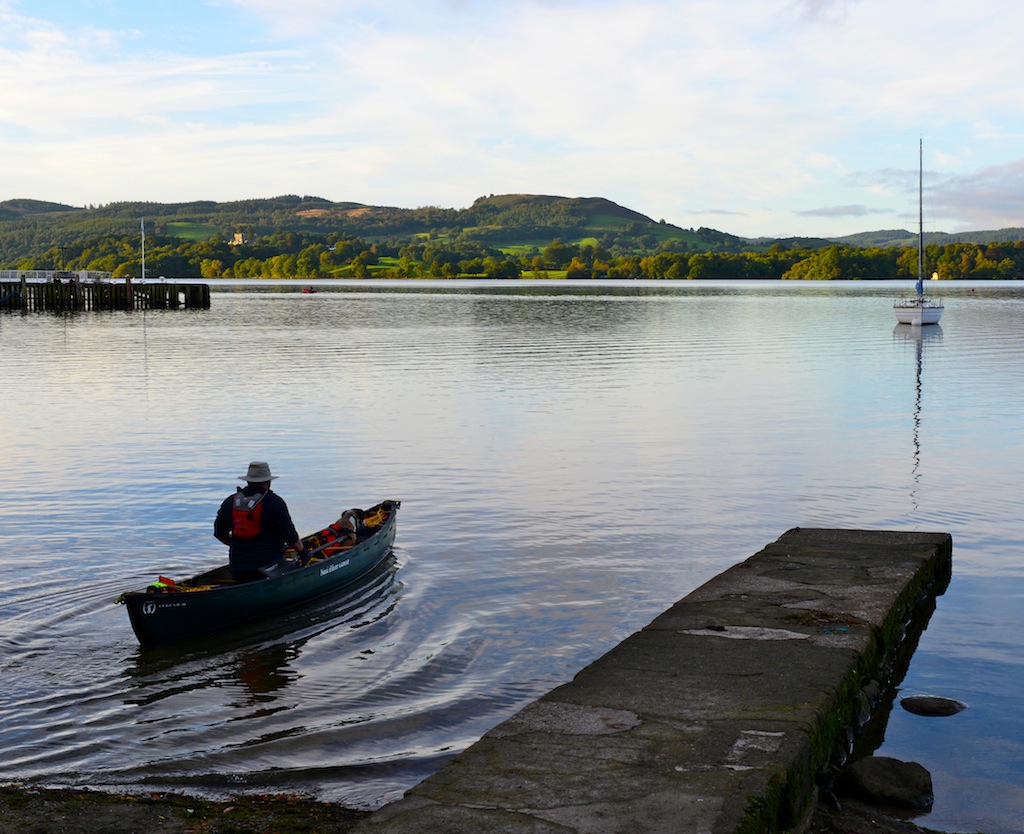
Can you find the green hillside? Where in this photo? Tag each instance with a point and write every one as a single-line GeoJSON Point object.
{"type": "Point", "coordinates": [509, 222]}
{"type": "Point", "coordinates": [498, 236]}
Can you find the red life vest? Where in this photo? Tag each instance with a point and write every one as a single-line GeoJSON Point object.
{"type": "Point", "coordinates": [246, 512]}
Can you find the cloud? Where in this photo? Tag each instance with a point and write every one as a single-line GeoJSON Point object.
{"type": "Point", "coordinates": [827, 10]}
{"type": "Point", "coordinates": [991, 198]}
{"type": "Point", "coordinates": [800, 113]}
{"type": "Point", "coordinates": [842, 211]}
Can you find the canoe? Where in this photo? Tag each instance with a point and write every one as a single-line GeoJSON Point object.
{"type": "Point", "coordinates": [168, 611]}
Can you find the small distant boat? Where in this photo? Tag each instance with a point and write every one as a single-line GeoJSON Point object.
{"type": "Point", "coordinates": [168, 611]}
{"type": "Point", "coordinates": [919, 309]}
{"type": "Point", "coordinates": [309, 290]}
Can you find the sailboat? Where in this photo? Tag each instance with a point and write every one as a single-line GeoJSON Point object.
{"type": "Point", "coordinates": [919, 309]}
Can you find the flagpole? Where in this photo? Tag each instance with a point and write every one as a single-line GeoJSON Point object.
{"type": "Point", "coordinates": [142, 223]}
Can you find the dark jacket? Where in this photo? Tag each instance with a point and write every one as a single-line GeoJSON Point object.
{"type": "Point", "coordinates": [276, 533]}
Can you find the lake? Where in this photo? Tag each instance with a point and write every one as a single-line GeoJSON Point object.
{"type": "Point", "coordinates": [571, 460]}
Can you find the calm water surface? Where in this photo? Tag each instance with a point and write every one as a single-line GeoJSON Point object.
{"type": "Point", "coordinates": [571, 460]}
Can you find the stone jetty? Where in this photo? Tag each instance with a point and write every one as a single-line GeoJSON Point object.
{"type": "Point", "coordinates": [725, 715]}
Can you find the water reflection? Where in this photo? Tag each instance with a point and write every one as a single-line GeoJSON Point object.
{"type": "Point", "coordinates": [918, 336]}
{"type": "Point", "coordinates": [265, 671]}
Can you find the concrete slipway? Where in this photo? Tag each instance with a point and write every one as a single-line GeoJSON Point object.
{"type": "Point", "coordinates": [721, 716]}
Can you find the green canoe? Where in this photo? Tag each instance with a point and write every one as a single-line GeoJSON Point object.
{"type": "Point", "coordinates": [169, 611]}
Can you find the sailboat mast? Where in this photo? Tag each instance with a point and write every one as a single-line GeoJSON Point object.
{"type": "Point", "coordinates": [142, 225]}
{"type": "Point", "coordinates": [920, 216]}
{"type": "Point", "coordinates": [919, 309]}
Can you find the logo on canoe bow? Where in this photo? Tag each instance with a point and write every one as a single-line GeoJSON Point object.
{"type": "Point", "coordinates": [150, 607]}
{"type": "Point", "coordinates": [333, 568]}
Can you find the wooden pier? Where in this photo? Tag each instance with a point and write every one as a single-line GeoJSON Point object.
{"type": "Point", "coordinates": [86, 290]}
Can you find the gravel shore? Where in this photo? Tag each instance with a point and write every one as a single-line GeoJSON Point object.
{"type": "Point", "coordinates": [28, 810]}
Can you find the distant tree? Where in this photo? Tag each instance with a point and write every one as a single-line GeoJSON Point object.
{"type": "Point", "coordinates": [557, 254]}
{"type": "Point", "coordinates": [822, 265]}
{"type": "Point", "coordinates": [211, 268]}
{"type": "Point", "coordinates": [578, 268]}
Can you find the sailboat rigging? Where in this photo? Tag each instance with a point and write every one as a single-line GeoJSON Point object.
{"type": "Point", "coordinates": [919, 309]}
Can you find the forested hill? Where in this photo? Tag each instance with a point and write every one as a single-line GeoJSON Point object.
{"type": "Point", "coordinates": [29, 227]}
{"type": "Point", "coordinates": [497, 236]}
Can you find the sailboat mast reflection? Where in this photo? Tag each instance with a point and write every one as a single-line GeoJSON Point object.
{"type": "Point", "coordinates": [918, 336]}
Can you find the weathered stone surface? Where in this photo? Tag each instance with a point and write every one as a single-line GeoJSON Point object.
{"type": "Point", "coordinates": [879, 780]}
{"type": "Point", "coordinates": [718, 717]}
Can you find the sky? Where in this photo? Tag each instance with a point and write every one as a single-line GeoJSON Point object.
{"type": "Point", "coordinates": [754, 117]}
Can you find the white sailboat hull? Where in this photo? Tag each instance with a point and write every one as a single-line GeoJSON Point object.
{"type": "Point", "coordinates": [917, 311]}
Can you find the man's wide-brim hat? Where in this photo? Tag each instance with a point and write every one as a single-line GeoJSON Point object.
{"type": "Point", "coordinates": [259, 473]}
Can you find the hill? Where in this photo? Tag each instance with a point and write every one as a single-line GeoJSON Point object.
{"type": "Point", "coordinates": [901, 237]}
{"type": "Point", "coordinates": [509, 222]}
{"type": "Point", "coordinates": [14, 209]}
{"type": "Point", "coordinates": [514, 225]}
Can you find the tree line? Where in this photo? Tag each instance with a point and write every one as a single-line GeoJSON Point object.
{"type": "Point", "coordinates": [302, 254]}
